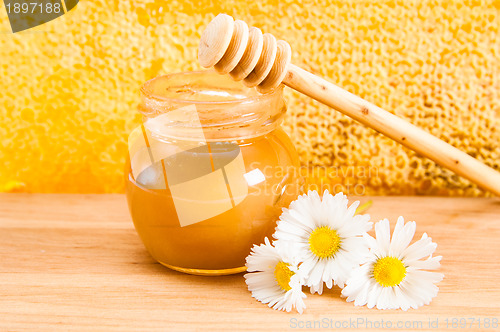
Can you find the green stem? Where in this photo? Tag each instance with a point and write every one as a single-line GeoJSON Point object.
{"type": "Point", "coordinates": [363, 207]}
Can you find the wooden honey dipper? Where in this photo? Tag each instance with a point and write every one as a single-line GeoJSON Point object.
{"type": "Point", "coordinates": [262, 62]}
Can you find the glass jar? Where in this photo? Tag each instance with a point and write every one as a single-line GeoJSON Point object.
{"type": "Point", "coordinates": [209, 171]}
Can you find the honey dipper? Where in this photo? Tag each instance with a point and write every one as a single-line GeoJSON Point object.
{"type": "Point", "coordinates": [263, 62]}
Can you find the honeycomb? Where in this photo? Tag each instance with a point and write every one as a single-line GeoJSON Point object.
{"type": "Point", "coordinates": [69, 88]}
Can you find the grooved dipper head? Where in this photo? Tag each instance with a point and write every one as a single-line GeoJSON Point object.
{"type": "Point", "coordinates": [246, 54]}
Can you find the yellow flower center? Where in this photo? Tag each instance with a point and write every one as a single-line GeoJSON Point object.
{"type": "Point", "coordinates": [283, 274]}
{"type": "Point", "coordinates": [324, 242]}
{"type": "Point", "coordinates": [389, 271]}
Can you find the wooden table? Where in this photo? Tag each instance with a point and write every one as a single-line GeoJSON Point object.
{"type": "Point", "coordinates": [76, 262]}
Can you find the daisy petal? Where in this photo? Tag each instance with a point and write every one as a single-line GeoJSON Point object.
{"type": "Point", "coordinates": [422, 248]}
{"type": "Point", "coordinates": [383, 235]}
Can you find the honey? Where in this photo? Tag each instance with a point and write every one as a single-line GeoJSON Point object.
{"type": "Point", "coordinates": [209, 171]}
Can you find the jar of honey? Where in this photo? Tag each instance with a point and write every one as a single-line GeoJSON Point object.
{"type": "Point", "coordinates": [209, 171]}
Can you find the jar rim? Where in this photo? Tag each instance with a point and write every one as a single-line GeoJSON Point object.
{"type": "Point", "coordinates": [145, 90]}
{"type": "Point", "coordinates": [224, 108]}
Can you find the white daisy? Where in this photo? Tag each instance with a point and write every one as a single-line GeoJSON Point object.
{"type": "Point", "coordinates": [278, 280]}
{"type": "Point", "coordinates": [328, 236]}
{"type": "Point", "coordinates": [393, 276]}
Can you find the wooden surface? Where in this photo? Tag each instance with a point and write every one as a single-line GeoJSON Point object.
{"type": "Point", "coordinates": [75, 262]}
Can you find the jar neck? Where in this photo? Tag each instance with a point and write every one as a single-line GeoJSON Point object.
{"type": "Point", "coordinates": [181, 105]}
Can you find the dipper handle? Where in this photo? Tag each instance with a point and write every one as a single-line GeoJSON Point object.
{"type": "Point", "coordinates": [263, 62]}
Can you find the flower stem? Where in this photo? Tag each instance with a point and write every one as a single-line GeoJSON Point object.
{"type": "Point", "coordinates": [363, 207]}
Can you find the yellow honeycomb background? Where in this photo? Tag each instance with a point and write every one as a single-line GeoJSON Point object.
{"type": "Point", "coordinates": [69, 88]}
